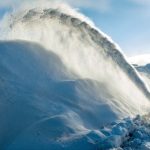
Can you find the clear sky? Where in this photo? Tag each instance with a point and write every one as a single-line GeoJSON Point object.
{"type": "Point", "coordinates": [126, 21]}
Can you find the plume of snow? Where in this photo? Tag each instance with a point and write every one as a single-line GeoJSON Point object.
{"type": "Point", "coordinates": [83, 49]}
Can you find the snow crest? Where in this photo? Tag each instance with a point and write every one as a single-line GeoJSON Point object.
{"type": "Point", "coordinates": [82, 48]}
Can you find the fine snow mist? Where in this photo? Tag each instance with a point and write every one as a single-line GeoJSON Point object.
{"type": "Point", "coordinates": [83, 49]}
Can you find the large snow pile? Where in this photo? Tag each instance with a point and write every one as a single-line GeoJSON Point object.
{"type": "Point", "coordinates": [61, 80]}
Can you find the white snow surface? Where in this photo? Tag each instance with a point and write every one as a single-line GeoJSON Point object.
{"type": "Point", "coordinates": [127, 134]}
{"type": "Point", "coordinates": [140, 60]}
{"type": "Point", "coordinates": [61, 80]}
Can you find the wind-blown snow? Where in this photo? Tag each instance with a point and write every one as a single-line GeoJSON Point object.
{"type": "Point", "coordinates": [81, 47]}
{"type": "Point", "coordinates": [62, 79]}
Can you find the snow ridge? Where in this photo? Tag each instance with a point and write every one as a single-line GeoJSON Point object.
{"type": "Point", "coordinates": [103, 44]}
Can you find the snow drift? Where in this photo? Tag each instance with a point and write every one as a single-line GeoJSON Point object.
{"type": "Point", "coordinates": [61, 79]}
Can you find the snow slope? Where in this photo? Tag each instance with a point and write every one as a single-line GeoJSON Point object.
{"type": "Point", "coordinates": [145, 73]}
{"type": "Point", "coordinates": [61, 80]}
{"type": "Point", "coordinates": [82, 47]}
{"type": "Point", "coordinates": [36, 91]}
{"type": "Point", "coordinates": [142, 64]}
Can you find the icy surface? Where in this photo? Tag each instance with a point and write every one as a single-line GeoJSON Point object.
{"type": "Point", "coordinates": [136, 135]}
{"type": "Point", "coordinates": [54, 111]}
{"type": "Point", "coordinates": [140, 137]}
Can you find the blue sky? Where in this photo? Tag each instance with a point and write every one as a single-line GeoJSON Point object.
{"type": "Point", "coordinates": [126, 21]}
